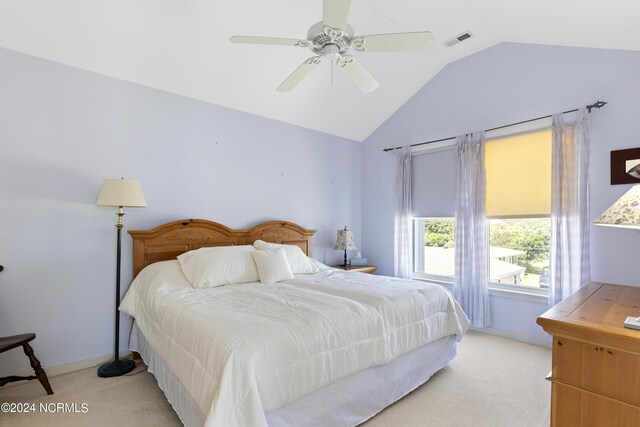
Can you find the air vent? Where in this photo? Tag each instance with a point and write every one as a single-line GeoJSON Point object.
{"type": "Point", "coordinates": [457, 39]}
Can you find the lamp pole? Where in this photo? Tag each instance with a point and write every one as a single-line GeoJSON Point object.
{"type": "Point", "coordinates": [117, 367]}
{"type": "Point", "coordinates": [116, 351]}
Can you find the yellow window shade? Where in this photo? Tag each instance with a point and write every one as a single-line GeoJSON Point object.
{"type": "Point", "coordinates": [518, 172]}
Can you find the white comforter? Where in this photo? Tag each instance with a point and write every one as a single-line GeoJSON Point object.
{"type": "Point", "coordinates": [243, 350]}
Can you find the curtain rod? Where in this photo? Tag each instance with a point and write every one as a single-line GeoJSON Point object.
{"type": "Point", "coordinates": [597, 104]}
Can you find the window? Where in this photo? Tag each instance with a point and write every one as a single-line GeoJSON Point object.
{"type": "Point", "coordinates": [518, 169]}
{"type": "Point", "coordinates": [519, 252]}
{"type": "Point", "coordinates": [434, 247]}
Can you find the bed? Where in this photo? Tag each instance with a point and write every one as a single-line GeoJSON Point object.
{"type": "Point", "coordinates": [330, 348]}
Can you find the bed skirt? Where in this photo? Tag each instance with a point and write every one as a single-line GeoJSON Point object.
{"type": "Point", "coordinates": [345, 403]}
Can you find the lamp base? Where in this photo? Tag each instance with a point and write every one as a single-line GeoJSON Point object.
{"type": "Point", "coordinates": [116, 368]}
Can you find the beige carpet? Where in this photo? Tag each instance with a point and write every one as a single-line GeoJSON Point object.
{"type": "Point", "coordinates": [493, 382]}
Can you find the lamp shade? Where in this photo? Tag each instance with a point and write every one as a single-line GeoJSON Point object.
{"type": "Point", "coordinates": [121, 192]}
{"type": "Point", "coordinates": [625, 212]}
{"type": "Point", "coordinates": [345, 240]}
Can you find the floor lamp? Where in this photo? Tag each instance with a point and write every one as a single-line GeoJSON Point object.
{"type": "Point", "coordinates": [119, 193]}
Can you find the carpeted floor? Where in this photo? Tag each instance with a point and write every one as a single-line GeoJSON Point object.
{"type": "Point", "coordinates": [493, 382]}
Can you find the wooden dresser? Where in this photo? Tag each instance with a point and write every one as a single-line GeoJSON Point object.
{"type": "Point", "coordinates": [595, 372]}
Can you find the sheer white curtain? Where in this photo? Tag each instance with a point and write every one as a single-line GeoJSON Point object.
{"type": "Point", "coordinates": [471, 287]}
{"type": "Point", "coordinates": [402, 244]}
{"type": "Point", "coordinates": [570, 255]}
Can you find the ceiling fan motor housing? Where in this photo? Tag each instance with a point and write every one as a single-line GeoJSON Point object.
{"type": "Point", "coordinates": [323, 39]}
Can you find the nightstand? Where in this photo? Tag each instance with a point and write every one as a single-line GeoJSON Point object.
{"type": "Point", "coordinates": [360, 268]}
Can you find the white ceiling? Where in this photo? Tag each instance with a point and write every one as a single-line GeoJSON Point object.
{"type": "Point", "coordinates": [181, 46]}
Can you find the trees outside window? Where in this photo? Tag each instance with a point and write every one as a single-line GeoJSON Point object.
{"type": "Point", "coordinates": [518, 249]}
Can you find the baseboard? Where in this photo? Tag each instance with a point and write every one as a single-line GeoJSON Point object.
{"type": "Point", "coordinates": [54, 371]}
{"type": "Point", "coordinates": [527, 339]}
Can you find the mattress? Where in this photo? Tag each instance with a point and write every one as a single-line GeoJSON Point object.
{"type": "Point", "coordinates": [243, 351]}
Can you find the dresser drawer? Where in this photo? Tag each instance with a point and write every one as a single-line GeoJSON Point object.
{"type": "Point", "coordinates": [601, 370]}
{"type": "Point", "coordinates": [573, 407]}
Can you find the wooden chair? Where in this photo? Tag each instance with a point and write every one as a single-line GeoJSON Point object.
{"type": "Point", "coordinates": [7, 343]}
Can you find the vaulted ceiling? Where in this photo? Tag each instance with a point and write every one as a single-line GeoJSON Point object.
{"type": "Point", "coordinates": [182, 46]}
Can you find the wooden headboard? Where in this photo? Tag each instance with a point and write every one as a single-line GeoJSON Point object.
{"type": "Point", "coordinates": [174, 238]}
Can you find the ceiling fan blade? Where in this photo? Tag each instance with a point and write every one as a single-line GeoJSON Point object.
{"type": "Point", "coordinates": [335, 13]}
{"type": "Point", "coordinates": [357, 73]}
{"type": "Point", "coordinates": [393, 42]}
{"type": "Point", "coordinates": [269, 40]}
{"type": "Point", "coordinates": [299, 74]}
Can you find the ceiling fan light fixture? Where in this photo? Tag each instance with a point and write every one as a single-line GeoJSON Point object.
{"type": "Point", "coordinates": [330, 49]}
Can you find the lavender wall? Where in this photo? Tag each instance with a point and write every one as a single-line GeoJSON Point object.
{"type": "Point", "coordinates": [504, 84]}
{"type": "Point", "coordinates": [64, 130]}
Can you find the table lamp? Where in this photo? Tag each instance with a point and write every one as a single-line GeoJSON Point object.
{"type": "Point", "coordinates": [625, 212]}
{"type": "Point", "coordinates": [345, 243]}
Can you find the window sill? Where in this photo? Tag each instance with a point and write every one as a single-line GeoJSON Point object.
{"type": "Point", "coordinates": [517, 294]}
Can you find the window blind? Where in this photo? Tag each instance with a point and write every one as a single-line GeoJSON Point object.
{"type": "Point", "coordinates": [433, 184]}
{"type": "Point", "coordinates": [518, 171]}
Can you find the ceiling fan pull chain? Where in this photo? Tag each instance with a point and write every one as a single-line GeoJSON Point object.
{"type": "Point", "coordinates": [332, 64]}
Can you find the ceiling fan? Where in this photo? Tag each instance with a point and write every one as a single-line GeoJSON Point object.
{"type": "Point", "coordinates": [334, 38]}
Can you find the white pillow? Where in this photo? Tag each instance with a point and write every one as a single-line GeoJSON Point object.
{"type": "Point", "coordinates": [299, 262]}
{"type": "Point", "coordinates": [273, 265]}
{"type": "Point", "coordinates": [217, 266]}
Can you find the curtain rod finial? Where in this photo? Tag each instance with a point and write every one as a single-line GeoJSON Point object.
{"type": "Point", "coordinates": [597, 104]}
